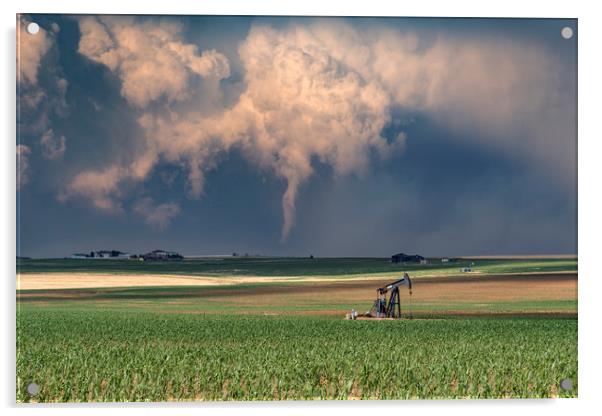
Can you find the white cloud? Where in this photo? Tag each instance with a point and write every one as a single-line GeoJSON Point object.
{"type": "Point", "coordinates": [22, 165]}
{"type": "Point", "coordinates": [53, 147]}
{"type": "Point", "coordinates": [157, 216]}
{"type": "Point", "coordinates": [150, 58]}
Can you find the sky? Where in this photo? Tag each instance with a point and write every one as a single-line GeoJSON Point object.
{"type": "Point", "coordinates": [292, 136]}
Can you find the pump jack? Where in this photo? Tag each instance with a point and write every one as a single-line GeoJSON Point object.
{"type": "Point", "coordinates": [391, 308]}
{"type": "Point", "coordinates": [383, 308]}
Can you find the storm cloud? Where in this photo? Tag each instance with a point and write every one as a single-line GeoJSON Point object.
{"type": "Point", "coordinates": [39, 102]}
{"type": "Point", "coordinates": [321, 90]}
{"type": "Point", "coordinates": [303, 97]}
{"type": "Point", "coordinates": [150, 58]}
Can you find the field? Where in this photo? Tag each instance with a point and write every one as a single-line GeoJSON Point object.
{"type": "Point", "coordinates": [292, 267]}
{"type": "Point", "coordinates": [508, 329]}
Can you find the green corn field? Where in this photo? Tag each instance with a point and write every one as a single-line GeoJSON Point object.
{"type": "Point", "coordinates": [77, 356]}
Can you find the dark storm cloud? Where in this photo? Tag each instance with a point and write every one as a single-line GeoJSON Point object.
{"type": "Point", "coordinates": [441, 197]}
{"type": "Point", "coordinates": [460, 138]}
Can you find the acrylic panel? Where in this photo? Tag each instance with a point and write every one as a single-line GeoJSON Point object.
{"type": "Point", "coordinates": [295, 208]}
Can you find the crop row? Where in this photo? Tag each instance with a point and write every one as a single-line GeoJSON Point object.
{"type": "Point", "coordinates": [117, 356]}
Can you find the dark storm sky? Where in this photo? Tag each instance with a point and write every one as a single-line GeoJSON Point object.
{"type": "Point", "coordinates": [459, 136]}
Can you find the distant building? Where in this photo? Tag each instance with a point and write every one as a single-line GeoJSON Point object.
{"type": "Point", "coordinates": [101, 254]}
{"type": "Point", "coordinates": [161, 255]}
{"type": "Point", "coordinates": [407, 258]}
{"type": "Point", "coordinates": [444, 260]}
{"type": "Point", "coordinates": [107, 254]}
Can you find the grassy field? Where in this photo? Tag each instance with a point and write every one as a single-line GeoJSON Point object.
{"type": "Point", "coordinates": [509, 330]}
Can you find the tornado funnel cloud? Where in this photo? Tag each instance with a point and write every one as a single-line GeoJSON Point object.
{"type": "Point", "coordinates": [288, 209]}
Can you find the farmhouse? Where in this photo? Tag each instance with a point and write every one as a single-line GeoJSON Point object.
{"type": "Point", "coordinates": [162, 255]}
{"type": "Point", "coordinates": [407, 258]}
{"type": "Point", "coordinates": [101, 254]}
{"type": "Point", "coordinates": [106, 254]}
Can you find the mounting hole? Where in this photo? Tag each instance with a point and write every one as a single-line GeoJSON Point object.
{"type": "Point", "coordinates": [33, 389]}
{"type": "Point", "coordinates": [566, 384]}
{"type": "Point", "coordinates": [566, 32]}
{"type": "Point", "coordinates": [33, 28]}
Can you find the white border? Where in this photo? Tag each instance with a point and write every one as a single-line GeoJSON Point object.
{"type": "Point", "coordinates": [590, 207]}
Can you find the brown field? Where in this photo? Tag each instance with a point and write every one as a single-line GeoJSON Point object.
{"type": "Point", "coordinates": [458, 295]}
{"type": "Point", "coordinates": [42, 281]}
